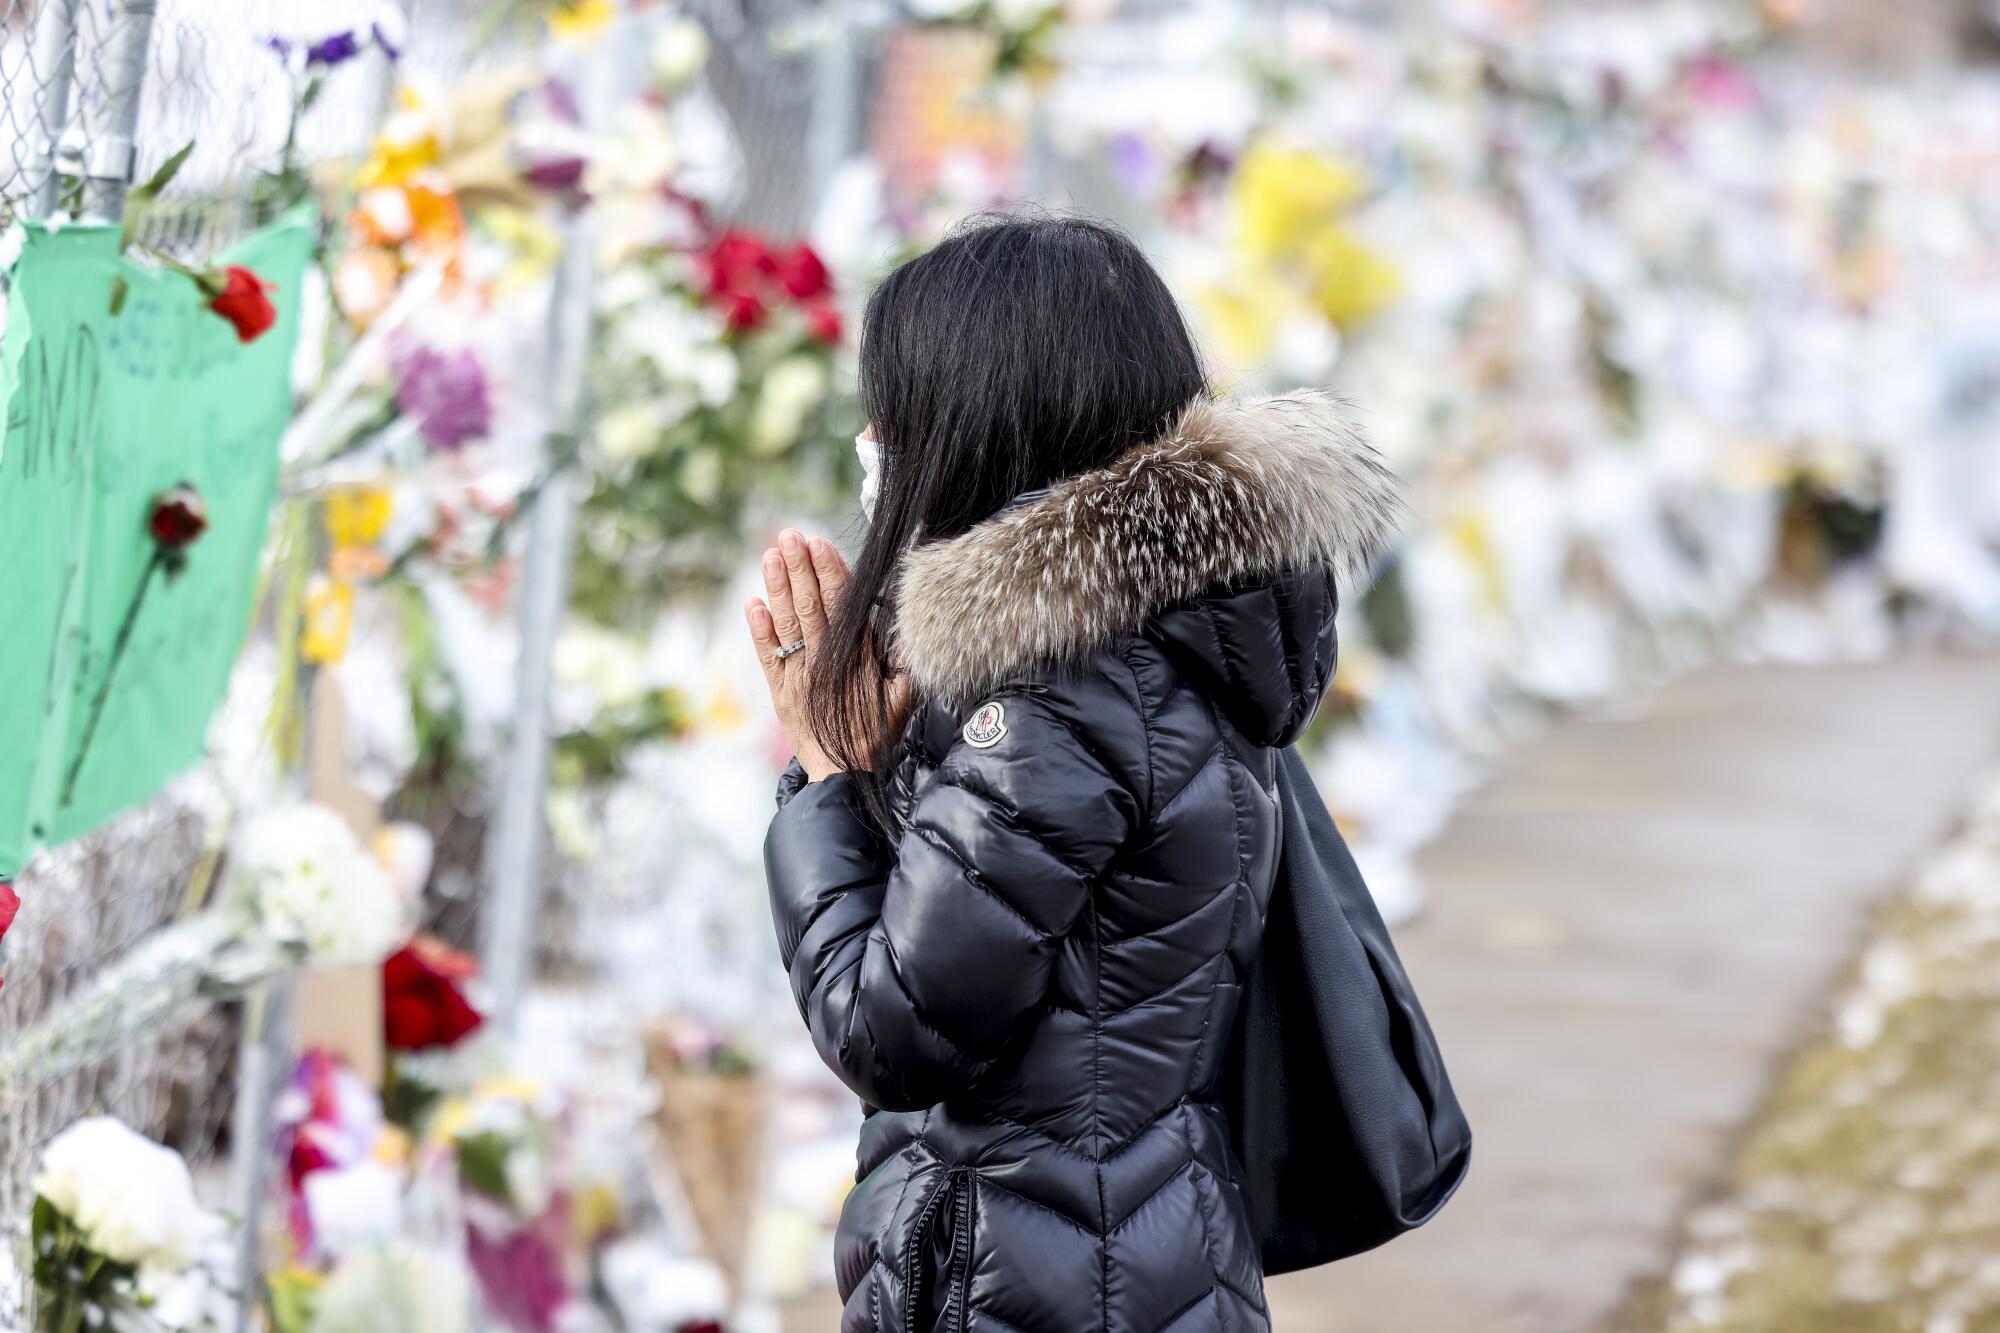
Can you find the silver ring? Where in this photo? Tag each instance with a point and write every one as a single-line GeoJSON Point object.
{"type": "Point", "coordinates": [789, 649]}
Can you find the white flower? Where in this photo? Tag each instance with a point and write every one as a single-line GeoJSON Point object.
{"type": "Point", "coordinates": [713, 371]}
{"type": "Point", "coordinates": [792, 389]}
{"type": "Point", "coordinates": [132, 1198]}
{"type": "Point", "coordinates": [639, 154]}
{"type": "Point", "coordinates": [307, 885]}
{"type": "Point", "coordinates": [633, 430]}
{"type": "Point", "coordinates": [387, 210]}
{"type": "Point", "coordinates": [1021, 15]}
{"type": "Point", "coordinates": [354, 1207]}
{"type": "Point", "coordinates": [419, 1290]}
{"type": "Point", "coordinates": [701, 475]}
{"type": "Point", "coordinates": [611, 665]}
{"type": "Point", "coordinates": [679, 52]}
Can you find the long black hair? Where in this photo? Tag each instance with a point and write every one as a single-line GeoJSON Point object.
{"type": "Point", "coordinates": [1018, 351]}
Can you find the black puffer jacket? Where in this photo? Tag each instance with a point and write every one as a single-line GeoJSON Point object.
{"type": "Point", "coordinates": [1034, 980]}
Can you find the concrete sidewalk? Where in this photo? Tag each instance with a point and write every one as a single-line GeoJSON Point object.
{"type": "Point", "coordinates": [1630, 924]}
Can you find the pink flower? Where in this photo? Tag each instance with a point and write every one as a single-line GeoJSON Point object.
{"type": "Point", "coordinates": [445, 391]}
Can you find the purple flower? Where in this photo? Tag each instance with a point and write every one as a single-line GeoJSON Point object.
{"type": "Point", "coordinates": [562, 103]}
{"type": "Point", "coordinates": [333, 49]}
{"type": "Point", "coordinates": [445, 391]}
{"type": "Point", "coordinates": [279, 45]}
{"type": "Point", "coordinates": [390, 36]}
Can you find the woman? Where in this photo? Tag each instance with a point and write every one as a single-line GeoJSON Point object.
{"type": "Point", "coordinates": [1017, 876]}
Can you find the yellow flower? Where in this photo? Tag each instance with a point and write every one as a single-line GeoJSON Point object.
{"type": "Point", "coordinates": [356, 515]}
{"type": "Point", "coordinates": [532, 246]}
{"type": "Point", "coordinates": [724, 711]}
{"type": "Point", "coordinates": [594, 1211]}
{"type": "Point", "coordinates": [329, 619]}
{"type": "Point", "coordinates": [450, 1120]}
{"type": "Point", "coordinates": [1468, 532]}
{"type": "Point", "coordinates": [580, 20]}
{"type": "Point", "coordinates": [1350, 280]}
{"type": "Point", "coordinates": [392, 1146]}
{"type": "Point", "coordinates": [507, 1087]}
{"type": "Point", "coordinates": [407, 144]}
{"type": "Point", "coordinates": [1282, 195]}
{"type": "Point", "coordinates": [1243, 310]}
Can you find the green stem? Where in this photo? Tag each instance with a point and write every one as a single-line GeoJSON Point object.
{"type": "Point", "coordinates": [103, 695]}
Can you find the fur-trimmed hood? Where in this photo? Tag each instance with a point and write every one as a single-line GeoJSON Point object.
{"type": "Point", "coordinates": [1234, 492]}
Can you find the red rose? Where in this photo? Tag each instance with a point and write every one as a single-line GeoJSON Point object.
{"type": "Point", "coordinates": [736, 263]}
{"type": "Point", "coordinates": [422, 1003]}
{"type": "Point", "coordinates": [823, 323]}
{"type": "Point", "coordinates": [10, 903]}
{"type": "Point", "coordinates": [744, 312]}
{"type": "Point", "coordinates": [804, 276]}
{"type": "Point", "coordinates": [178, 517]}
{"type": "Point", "coordinates": [245, 302]}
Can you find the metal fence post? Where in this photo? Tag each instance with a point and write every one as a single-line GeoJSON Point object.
{"type": "Point", "coordinates": [263, 1052]}
{"type": "Point", "coordinates": [512, 856]}
{"type": "Point", "coordinates": [833, 104]}
{"type": "Point", "coordinates": [51, 59]}
{"type": "Point", "coordinates": [513, 851]}
{"type": "Point", "coordinates": [109, 156]}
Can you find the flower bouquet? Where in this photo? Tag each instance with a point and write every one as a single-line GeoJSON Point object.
{"type": "Point", "coordinates": [117, 1240]}
{"type": "Point", "coordinates": [718, 357]}
{"type": "Point", "coordinates": [519, 1220]}
{"type": "Point", "coordinates": [711, 1123]}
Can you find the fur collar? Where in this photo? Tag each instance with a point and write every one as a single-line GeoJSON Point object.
{"type": "Point", "coordinates": [1232, 491]}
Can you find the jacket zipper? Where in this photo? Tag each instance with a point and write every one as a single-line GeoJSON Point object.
{"type": "Point", "coordinates": [960, 1259]}
{"type": "Point", "coordinates": [958, 1262]}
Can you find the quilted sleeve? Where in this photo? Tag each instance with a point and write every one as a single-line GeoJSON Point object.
{"type": "Point", "coordinates": [916, 964]}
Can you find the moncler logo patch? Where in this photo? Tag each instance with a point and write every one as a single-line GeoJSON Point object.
{"type": "Point", "coordinates": [986, 726]}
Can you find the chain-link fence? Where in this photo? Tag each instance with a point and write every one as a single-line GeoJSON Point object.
{"type": "Point", "coordinates": [94, 899]}
{"type": "Point", "coordinates": [97, 94]}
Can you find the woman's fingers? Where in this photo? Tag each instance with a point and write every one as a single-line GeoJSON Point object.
{"type": "Point", "coordinates": [832, 571]}
{"type": "Point", "coordinates": [807, 601]}
{"type": "Point", "coordinates": [778, 589]}
{"type": "Point", "coordinates": [764, 634]}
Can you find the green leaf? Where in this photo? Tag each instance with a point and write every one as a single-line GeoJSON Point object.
{"type": "Point", "coordinates": [162, 178]}
{"type": "Point", "coordinates": [482, 1165]}
{"type": "Point", "coordinates": [139, 199]}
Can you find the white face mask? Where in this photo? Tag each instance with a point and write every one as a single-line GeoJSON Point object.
{"type": "Point", "coordinates": [870, 454]}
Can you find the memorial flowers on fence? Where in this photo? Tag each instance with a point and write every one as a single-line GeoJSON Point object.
{"type": "Point", "coordinates": [116, 1239]}
{"type": "Point", "coordinates": [300, 891]}
{"type": "Point", "coordinates": [715, 370]}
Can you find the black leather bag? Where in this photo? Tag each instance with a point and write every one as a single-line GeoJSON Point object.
{"type": "Point", "coordinates": [1338, 1102]}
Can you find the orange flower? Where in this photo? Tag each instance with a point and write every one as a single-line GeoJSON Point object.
{"type": "Point", "coordinates": [364, 282]}
{"type": "Point", "coordinates": [436, 223]}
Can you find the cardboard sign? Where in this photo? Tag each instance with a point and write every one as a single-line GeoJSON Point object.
{"type": "Point", "coordinates": [103, 412]}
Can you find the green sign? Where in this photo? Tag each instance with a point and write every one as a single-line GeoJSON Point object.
{"type": "Point", "coordinates": [103, 412]}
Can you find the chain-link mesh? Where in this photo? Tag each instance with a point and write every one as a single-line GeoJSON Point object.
{"type": "Point", "coordinates": [39, 67]}
{"type": "Point", "coordinates": [90, 902]}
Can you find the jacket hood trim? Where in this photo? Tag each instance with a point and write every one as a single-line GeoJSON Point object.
{"type": "Point", "coordinates": [1233, 490]}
